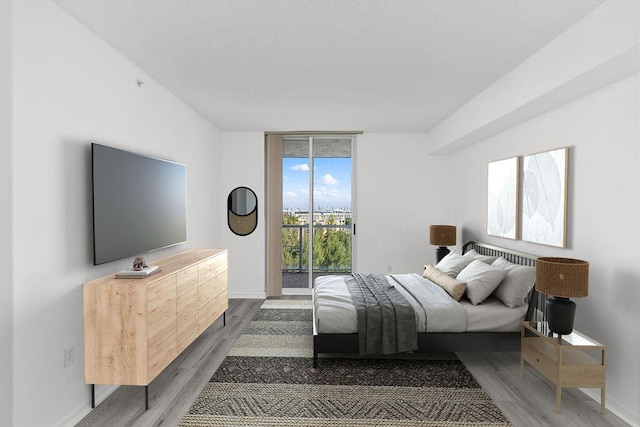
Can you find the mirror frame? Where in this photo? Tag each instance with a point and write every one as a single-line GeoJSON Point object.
{"type": "Point", "coordinates": [242, 225]}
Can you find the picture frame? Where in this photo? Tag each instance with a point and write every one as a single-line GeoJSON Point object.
{"type": "Point", "coordinates": [502, 197]}
{"type": "Point", "coordinates": [544, 202]}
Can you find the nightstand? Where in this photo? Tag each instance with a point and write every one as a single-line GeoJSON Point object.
{"type": "Point", "coordinates": [573, 360]}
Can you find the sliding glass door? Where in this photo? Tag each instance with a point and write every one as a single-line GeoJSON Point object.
{"type": "Point", "coordinates": [317, 205]}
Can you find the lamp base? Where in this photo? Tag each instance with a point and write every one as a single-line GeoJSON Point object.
{"type": "Point", "coordinates": [560, 314]}
{"type": "Point", "coordinates": [441, 252]}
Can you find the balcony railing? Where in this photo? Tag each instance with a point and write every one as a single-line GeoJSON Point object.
{"type": "Point", "coordinates": [331, 249]}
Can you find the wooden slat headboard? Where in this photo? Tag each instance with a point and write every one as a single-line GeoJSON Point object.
{"type": "Point", "coordinates": [508, 254]}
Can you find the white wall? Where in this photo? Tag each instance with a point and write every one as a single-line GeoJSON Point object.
{"type": "Point", "coordinates": [243, 166]}
{"type": "Point", "coordinates": [603, 227]}
{"type": "Point", "coordinates": [400, 193]}
{"type": "Point", "coordinates": [6, 241]}
{"type": "Point", "coordinates": [70, 89]}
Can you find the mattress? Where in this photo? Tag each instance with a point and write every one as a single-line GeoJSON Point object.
{"type": "Point", "coordinates": [435, 310]}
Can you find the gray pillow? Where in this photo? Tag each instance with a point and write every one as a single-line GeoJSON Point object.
{"type": "Point", "coordinates": [482, 279]}
{"type": "Point", "coordinates": [453, 263]}
{"type": "Point", "coordinates": [516, 284]}
{"type": "Point", "coordinates": [484, 258]}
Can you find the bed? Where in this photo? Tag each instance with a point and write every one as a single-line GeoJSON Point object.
{"type": "Point", "coordinates": [445, 325]}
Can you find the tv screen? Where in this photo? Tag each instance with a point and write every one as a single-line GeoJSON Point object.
{"type": "Point", "coordinates": [139, 203]}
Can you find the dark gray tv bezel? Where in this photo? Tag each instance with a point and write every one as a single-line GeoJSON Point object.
{"type": "Point", "coordinates": [93, 225]}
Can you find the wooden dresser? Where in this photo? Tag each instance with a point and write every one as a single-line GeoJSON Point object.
{"type": "Point", "coordinates": [134, 328]}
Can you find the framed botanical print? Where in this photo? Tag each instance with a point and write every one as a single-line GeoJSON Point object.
{"type": "Point", "coordinates": [544, 203]}
{"type": "Point", "coordinates": [502, 201]}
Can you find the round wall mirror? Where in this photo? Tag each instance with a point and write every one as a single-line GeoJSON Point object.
{"type": "Point", "coordinates": [242, 211]}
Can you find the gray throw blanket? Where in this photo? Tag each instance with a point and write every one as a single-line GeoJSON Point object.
{"type": "Point", "coordinates": [386, 321]}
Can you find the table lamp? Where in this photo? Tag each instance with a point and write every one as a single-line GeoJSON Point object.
{"type": "Point", "coordinates": [561, 279]}
{"type": "Point", "coordinates": [442, 236]}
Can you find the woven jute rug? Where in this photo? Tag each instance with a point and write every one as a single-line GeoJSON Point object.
{"type": "Point", "coordinates": [268, 380]}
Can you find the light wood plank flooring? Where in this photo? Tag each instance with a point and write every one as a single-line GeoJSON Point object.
{"type": "Point", "coordinates": [531, 401]}
{"type": "Point", "coordinates": [527, 402]}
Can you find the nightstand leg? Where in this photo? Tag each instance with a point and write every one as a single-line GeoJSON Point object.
{"type": "Point", "coordinates": [602, 394]}
{"type": "Point", "coordinates": [522, 334]}
{"type": "Point", "coordinates": [559, 380]}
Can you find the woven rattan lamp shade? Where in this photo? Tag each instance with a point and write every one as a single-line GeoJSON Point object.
{"type": "Point", "coordinates": [442, 235]}
{"type": "Point", "coordinates": [562, 277]}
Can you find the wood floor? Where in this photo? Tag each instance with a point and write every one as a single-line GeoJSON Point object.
{"type": "Point", "coordinates": [526, 402]}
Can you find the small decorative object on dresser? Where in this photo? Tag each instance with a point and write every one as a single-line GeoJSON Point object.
{"type": "Point", "coordinates": [139, 263]}
{"type": "Point", "coordinates": [139, 270]}
{"type": "Point", "coordinates": [561, 279]}
{"type": "Point", "coordinates": [572, 360]}
{"type": "Point", "coordinates": [442, 236]}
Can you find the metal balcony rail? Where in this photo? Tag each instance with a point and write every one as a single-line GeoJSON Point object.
{"type": "Point", "coordinates": [301, 249]}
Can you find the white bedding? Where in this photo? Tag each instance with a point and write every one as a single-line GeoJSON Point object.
{"type": "Point", "coordinates": [493, 316]}
{"type": "Point", "coordinates": [435, 310]}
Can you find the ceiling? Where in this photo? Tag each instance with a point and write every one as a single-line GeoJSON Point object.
{"type": "Point", "coordinates": [284, 65]}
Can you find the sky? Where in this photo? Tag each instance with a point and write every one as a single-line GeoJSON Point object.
{"type": "Point", "coordinates": [332, 182]}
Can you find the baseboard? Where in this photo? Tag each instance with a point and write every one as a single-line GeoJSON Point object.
{"type": "Point", "coordinates": [247, 295]}
{"type": "Point", "coordinates": [81, 411]}
{"type": "Point", "coordinates": [296, 291]}
{"type": "Point", "coordinates": [613, 407]}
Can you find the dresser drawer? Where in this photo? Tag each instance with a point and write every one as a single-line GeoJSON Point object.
{"type": "Point", "coordinates": [211, 267]}
{"type": "Point", "coordinates": [542, 356]}
{"type": "Point", "coordinates": [211, 311]}
{"type": "Point", "coordinates": [210, 289]}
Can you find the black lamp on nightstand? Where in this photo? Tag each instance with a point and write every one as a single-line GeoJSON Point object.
{"type": "Point", "coordinates": [561, 279]}
{"type": "Point", "coordinates": [442, 236]}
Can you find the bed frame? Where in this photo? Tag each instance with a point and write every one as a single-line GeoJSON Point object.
{"type": "Point", "coordinates": [445, 342]}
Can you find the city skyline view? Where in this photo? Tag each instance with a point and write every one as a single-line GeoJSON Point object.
{"type": "Point", "coordinates": [332, 183]}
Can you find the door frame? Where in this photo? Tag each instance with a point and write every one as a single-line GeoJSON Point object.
{"type": "Point", "coordinates": [320, 136]}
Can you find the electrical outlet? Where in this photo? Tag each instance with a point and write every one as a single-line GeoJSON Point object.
{"type": "Point", "coordinates": [68, 356]}
{"type": "Point", "coordinates": [389, 268]}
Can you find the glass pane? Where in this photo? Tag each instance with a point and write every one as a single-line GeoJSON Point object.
{"type": "Point", "coordinates": [331, 206]}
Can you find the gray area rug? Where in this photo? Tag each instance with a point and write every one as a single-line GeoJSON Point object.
{"type": "Point", "coordinates": [267, 380]}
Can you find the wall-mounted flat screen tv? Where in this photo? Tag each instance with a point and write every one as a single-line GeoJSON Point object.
{"type": "Point", "coordinates": [139, 203]}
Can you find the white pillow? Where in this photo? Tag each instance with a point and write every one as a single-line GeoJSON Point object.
{"type": "Point", "coordinates": [516, 284]}
{"type": "Point", "coordinates": [453, 263]}
{"type": "Point", "coordinates": [503, 263]}
{"type": "Point", "coordinates": [482, 279]}
{"type": "Point", "coordinates": [484, 258]}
